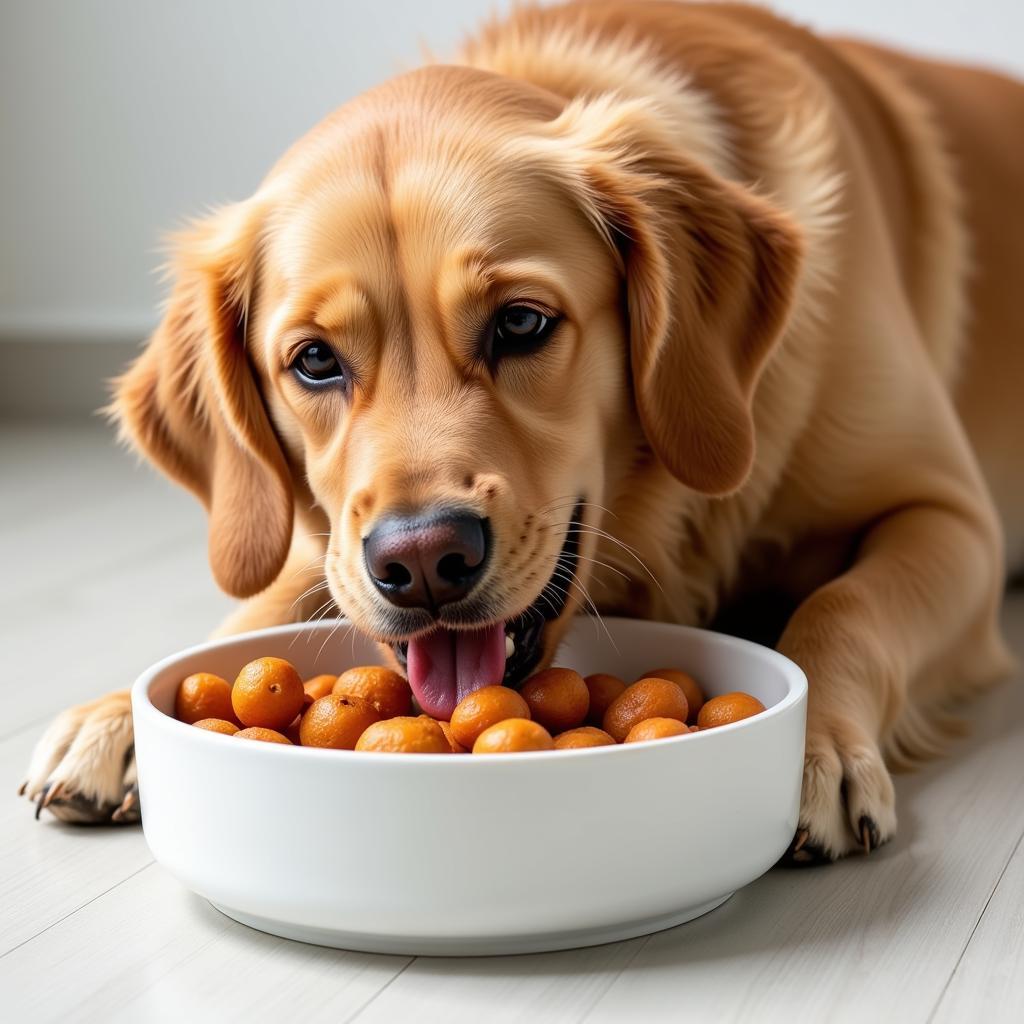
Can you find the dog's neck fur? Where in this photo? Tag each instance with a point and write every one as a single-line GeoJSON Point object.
{"type": "Point", "coordinates": [691, 556]}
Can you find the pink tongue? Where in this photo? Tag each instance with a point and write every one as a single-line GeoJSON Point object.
{"type": "Point", "coordinates": [447, 665]}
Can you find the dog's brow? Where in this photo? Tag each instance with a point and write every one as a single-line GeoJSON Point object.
{"type": "Point", "coordinates": [334, 303]}
{"type": "Point", "coordinates": [473, 279]}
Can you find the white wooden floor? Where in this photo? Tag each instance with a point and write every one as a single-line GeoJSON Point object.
{"type": "Point", "coordinates": [109, 574]}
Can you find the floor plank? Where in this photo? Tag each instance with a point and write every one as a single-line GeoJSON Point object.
{"type": "Point", "coordinates": [49, 870]}
{"type": "Point", "coordinates": [150, 951]}
{"type": "Point", "coordinates": [988, 983]}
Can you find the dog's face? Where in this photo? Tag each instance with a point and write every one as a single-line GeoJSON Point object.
{"type": "Point", "coordinates": [446, 314]}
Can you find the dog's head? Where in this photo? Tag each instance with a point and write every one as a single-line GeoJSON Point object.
{"type": "Point", "coordinates": [448, 318]}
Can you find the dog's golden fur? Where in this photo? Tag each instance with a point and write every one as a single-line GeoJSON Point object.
{"type": "Point", "coordinates": [787, 361]}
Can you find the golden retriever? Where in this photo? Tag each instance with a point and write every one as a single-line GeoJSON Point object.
{"type": "Point", "coordinates": [651, 306]}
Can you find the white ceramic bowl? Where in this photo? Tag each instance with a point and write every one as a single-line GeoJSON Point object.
{"type": "Point", "coordinates": [441, 854]}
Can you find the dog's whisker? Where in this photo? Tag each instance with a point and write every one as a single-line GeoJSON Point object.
{"type": "Point", "coordinates": [586, 528]}
{"type": "Point", "coordinates": [606, 565]}
{"type": "Point", "coordinates": [308, 593]}
{"type": "Point", "coordinates": [547, 510]}
{"type": "Point", "coordinates": [311, 621]}
{"type": "Point", "coordinates": [590, 600]}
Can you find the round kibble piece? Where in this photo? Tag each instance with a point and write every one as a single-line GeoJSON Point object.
{"type": "Point", "coordinates": [603, 689]}
{"type": "Point", "coordinates": [203, 695]}
{"type": "Point", "coordinates": [513, 736]}
{"type": "Point", "coordinates": [318, 686]}
{"type": "Point", "coordinates": [690, 686]}
{"type": "Point", "coordinates": [387, 691]}
{"type": "Point", "coordinates": [647, 698]}
{"type": "Point", "coordinates": [483, 708]}
{"type": "Point", "coordinates": [558, 698]}
{"type": "Point", "coordinates": [336, 721]}
{"type": "Point", "coordinates": [584, 736]}
{"type": "Point", "coordinates": [220, 725]}
{"type": "Point", "coordinates": [255, 732]}
{"type": "Point", "coordinates": [405, 735]}
{"type": "Point", "coordinates": [267, 693]}
{"type": "Point", "coordinates": [730, 707]}
{"type": "Point", "coordinates": [656, 729]}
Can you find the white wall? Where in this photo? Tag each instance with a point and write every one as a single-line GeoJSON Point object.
{"type": "Point", "coordinates": [118, 118]}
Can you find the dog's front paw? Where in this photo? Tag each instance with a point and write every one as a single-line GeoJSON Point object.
{"type": "Point", "coordinates": [83, 767]}
{"type": "Point", "coordinates": [848, 802]}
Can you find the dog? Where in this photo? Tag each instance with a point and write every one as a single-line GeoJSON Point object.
{"type": "Point", "coordinates": [672, 311]}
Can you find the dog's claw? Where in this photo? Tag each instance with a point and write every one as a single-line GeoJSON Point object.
{"type": "Point", "coordinates": [41, 800]}
{"type": "Point", "coordinates": [869, 835]}
{"type": "Point", "coordinates": [51, 793]}
{"type": "Point", "coordinates": [803, 853]}
{"type": "Point", "coordinates": [129, 812]}
{"type": "Point", "coordinates": [22, 788]}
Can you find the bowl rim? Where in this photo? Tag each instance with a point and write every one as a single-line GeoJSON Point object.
{"type": "Point", "coordinates": [142, 704]}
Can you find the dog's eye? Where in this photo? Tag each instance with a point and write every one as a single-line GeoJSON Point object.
{"type": "Point", "coordinates": [519, 330]}
{"type": "Point", "coordinates": [316, 363]}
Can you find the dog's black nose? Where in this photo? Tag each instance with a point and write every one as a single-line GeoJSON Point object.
{"type": "Point", "coordinates": [425, 561]}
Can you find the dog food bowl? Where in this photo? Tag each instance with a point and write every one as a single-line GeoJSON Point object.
{"type": "Point", "coordinates": [476, 854]}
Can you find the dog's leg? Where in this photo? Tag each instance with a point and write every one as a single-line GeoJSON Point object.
{"type": "Point", "coordinates": [921, 597]}
{"type": "Point", "coordinates": [83, 767]}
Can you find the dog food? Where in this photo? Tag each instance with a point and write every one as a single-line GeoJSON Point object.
{"type": "Point", "coordinates": [656, 729]}
{"type": "Point", "coordinates": [603, 689]}
{"type": "Point", "coordinates": [689, 686]}
{"type": "Point", "coordinates": [485, 708]}
{"type": "Point", "coordinates": [203, 695]}
{"type": "Point", "coordinates": [220, 725]}
{"type": "Point", "coordinates": [387, 691]}
{"type": "Point", "coordinates": [584, 736]}
{"type": "Point", "coordinates": [513, 736]}
{"type": "Point", "coordinates": [256, 732]}
{"type": "Point", "coordinates": [370, 708]}
{"type": "Point", "coordinates": [558, 699]}
{"type": "Point", "coordinates": [337, 721]}
{"type": "Point", "coordinates": [730, 707]}
{"type": "Point", "coordinates": [319, 686]}
{"type": "Point", "coordinates": [646, 698]}
{"type": "Point", "coordinates": [405, 735]}
{"type": "Point", "coordinates": [268, 694]}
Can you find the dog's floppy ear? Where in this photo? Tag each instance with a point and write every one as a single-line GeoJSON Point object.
{"type": "Point", "coordinates": [191, 403]}
{"type": "Point", "coordinates": [710, 270]}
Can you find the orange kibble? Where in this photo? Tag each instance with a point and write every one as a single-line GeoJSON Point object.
{"type": "Point", "coordinates": [483, 708]}
{"type": "Point", "coordinates": [584, 736]}
{"type": "Point", "coordinates": [387, 691]}
{"type": "Point", "coordinates": [689, 685]}
{"type": "Point", "coordinates": [336, 721]}
{"type": "Point", "coordinates": [292, 732]}
{"type": "Point", "coordinates": [647, 698]}
{"type": "Point", "coordinates": [656, 729]}
{"type": "Point", "coordinates": [203, 695]}
{"type": "Point", "coordinates": [405, 735]}
{"type": "Point", "coordinates": [220, 725]}
{"type": "Point", "coordinates": [512, 736]}
{"type": "Point", "coordinates": [558, 698]}
{"type": "Point", "coordinates": [457, 747]}
{"type": "Point", "coordinates": [267, 693]}
{"type": "Point", "coordinates": [256, 732]}
{"type": "Point", "coordinates": [730, 707]}
{"type": "Point", "coordinates": [318, 686]}
{"type": "Point", "coordinates": [603, 689]}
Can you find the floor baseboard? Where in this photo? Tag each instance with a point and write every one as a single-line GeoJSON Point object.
{"type": "Point", "coordinates": [66, 379]}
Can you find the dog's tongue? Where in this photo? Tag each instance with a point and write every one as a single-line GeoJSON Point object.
{"type": "Point", "coordinates": [446, 665]}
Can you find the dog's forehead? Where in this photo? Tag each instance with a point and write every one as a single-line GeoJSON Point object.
{"type": "Point", "coordinates": [381, 208]}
